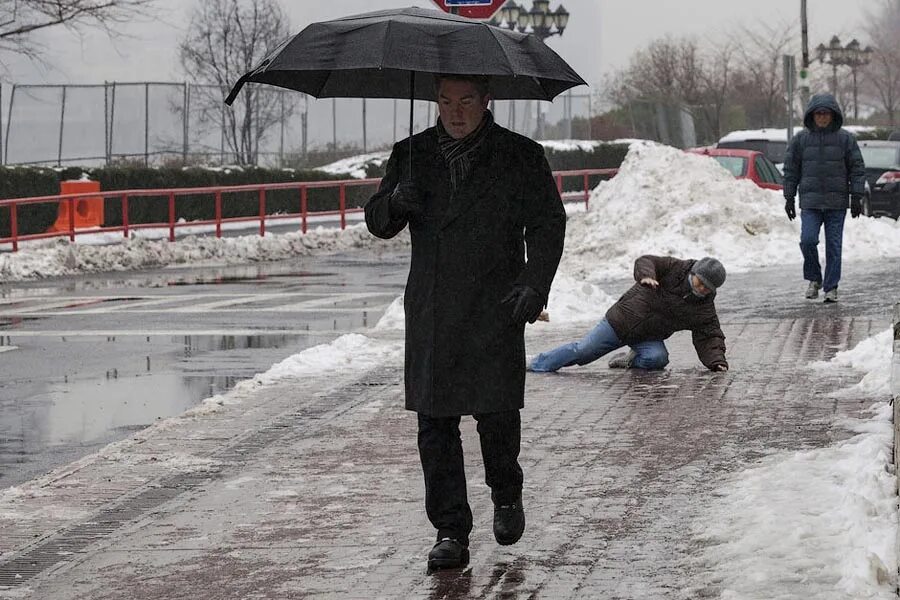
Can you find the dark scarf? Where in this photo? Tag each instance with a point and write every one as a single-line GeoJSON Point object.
{"type": "Point", "coordinates": [458, 154]}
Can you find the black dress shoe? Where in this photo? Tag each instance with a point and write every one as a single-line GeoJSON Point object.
{"type": "Point", "coordinates": [509, 522]}
{"type": "Point", "coordinates": [448, 553]}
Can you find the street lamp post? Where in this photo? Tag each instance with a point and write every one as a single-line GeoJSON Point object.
{"type": "Point", "coordinates": [543, 23]}
{"type": "Point", "coordinates": [851, 56]}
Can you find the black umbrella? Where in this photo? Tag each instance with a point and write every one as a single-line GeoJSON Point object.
{"type": "Point", "coordinates": [379, 55]}
{"type": "Point", "coordinates": [372, 56]}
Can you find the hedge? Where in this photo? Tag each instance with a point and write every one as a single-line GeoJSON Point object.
{"type": "Point", "coordinates": [22, 182]}
{"type": "Point", "coordinates": [16, 182]}
{"type": "Point", "coordinates": [601, 156]}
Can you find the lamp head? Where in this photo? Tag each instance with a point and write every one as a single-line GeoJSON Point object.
{"type": "Point", "coordinates": [562, 18]}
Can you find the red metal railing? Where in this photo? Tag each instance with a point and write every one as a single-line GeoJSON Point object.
{"type": "Point", "coordinates": [217, 192]}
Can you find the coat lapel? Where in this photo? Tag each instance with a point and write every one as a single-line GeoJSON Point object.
{"type": "Point", "coordinates": [484, 175]}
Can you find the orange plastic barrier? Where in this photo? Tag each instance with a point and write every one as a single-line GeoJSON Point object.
{"type": "Point", "coordinates": [88, 210]}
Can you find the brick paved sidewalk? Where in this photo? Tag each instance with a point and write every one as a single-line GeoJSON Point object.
{"type": "Point", "coordinates": [314, 489]}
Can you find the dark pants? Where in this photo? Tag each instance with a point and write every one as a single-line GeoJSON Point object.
{"type": "Point", "coordinates": [441, 452]}
{"type": "Point", "coordinates": [811, 222]}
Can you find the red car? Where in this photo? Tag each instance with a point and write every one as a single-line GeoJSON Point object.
{"type": "Point", "coordinates": [746, 164]}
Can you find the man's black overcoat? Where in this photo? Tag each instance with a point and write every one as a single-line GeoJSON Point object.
{"type": "Point", "coordinates": [463, 353]}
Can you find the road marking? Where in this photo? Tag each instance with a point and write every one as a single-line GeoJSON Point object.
{"type": "Point", "coordinates": [317, 302]}
{"type": "Point", "coordinates": [9, 334]}
{"type": "Point", "coordinates": [7, 348]}
{"type": "Point", "coordinates": [201, 309]}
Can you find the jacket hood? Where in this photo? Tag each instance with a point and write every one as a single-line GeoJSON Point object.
{"type": "Point", "coordinates": [823, 101]}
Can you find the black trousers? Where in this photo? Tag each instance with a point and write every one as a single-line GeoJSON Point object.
{"type": "Point", "coordinates": [441, 453]}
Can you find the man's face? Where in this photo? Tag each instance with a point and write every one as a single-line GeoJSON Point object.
{"type": "Point", "coordinates": [461, 107]}
{"type": "Point", "coordinates": [699, 285]}
{"type": "Point", "coordinates": [822, 117]}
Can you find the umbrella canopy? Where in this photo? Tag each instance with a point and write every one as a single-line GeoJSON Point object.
{"type": "Point", "coordinates": [381, 54]}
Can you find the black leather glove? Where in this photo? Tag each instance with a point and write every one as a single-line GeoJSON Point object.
{"type": "Point", "coordinates": [525, 303]}
{"type": "Point", "coordinates": [407, 201]}
{"type": "Point", "coordinates": [789, 209]}
{"type": "Point", "coordinates": [855, 205]}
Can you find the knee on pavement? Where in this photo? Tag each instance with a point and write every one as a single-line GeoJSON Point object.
{"type": "Point", "coordinates": [651, 359]}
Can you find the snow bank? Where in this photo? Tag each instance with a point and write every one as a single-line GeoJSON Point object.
{"type": "Point", "coordinates": [65, 258]}
{"type": "Point", "coordinates": [668, 202]}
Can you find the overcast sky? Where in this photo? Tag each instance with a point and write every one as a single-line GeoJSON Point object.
{"type": "Point", "coordinates": [601, 36]}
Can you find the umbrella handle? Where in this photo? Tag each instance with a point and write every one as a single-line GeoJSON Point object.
{"type": "Point", "coordinates": [412, 99]}
{"type": "Point", "coordinates": [237, 88]}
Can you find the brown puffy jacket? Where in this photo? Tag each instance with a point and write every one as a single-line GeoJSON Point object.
{"type": "Point", "coordinates": [643, 313]}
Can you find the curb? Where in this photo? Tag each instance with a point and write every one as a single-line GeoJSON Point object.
{"type": "Point", "coordinates": [895, 383]}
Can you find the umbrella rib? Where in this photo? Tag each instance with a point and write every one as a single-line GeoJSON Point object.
{"type": "Point", "coordinates": [499, 45]}
{"type": "Point", "coordinates": [387, 36]}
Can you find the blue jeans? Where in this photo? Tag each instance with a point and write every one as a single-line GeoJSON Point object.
{"type": "Point", "coordinates": [599, 341]}
{"type": "Point", "coordinates": [811, 222]}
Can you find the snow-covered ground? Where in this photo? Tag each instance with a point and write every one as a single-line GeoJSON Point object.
{"type": "Point", "coordinates": [771, 530]}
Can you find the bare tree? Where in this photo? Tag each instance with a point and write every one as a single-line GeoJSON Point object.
{"type": "Point", "coordinates": [225, 39]}
{"type": "Point", "coordinates": [759, 85]}
{"type": "Point", "coordinates": [671, 76]}
{"type": "Point", "coordinates": [19, 19]}
{"type": "Point", "coordinates": [714, 93]}
{"type": "Point", "coordinates": [881, 78]}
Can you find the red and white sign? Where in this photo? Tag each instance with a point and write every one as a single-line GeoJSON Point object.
{"type": "Point", "coordinates": [483, 11]}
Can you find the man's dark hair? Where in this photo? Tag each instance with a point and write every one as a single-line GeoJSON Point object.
{"type": "Point", "coordinates": [482, 82]}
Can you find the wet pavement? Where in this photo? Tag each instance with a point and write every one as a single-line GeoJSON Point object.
{"type": "Point", "coordinates": [88, 360]}
{"type": "Point", "coordinates": [312, 487]}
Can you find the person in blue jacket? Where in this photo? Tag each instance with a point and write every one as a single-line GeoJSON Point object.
{"type": "Point", "coordinates": [824, 164]}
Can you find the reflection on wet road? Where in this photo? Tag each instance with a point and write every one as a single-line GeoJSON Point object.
{"type": "Point", "coordinates": [84, 361]}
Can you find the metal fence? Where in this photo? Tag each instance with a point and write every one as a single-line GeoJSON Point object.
{"type": "Point", "coordinates": [156, 122]}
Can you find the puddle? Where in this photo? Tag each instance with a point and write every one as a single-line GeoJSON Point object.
{"type": "Point", "coordinates": [258, 278]}
{"type": "Point", "coordinates": [50, 416]}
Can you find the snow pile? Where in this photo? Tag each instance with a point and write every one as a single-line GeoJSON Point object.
{"type": "Point", "coordinates": [775, 529]}
{"type": "Point", "coordinates": [393, 317]}
{"type": "Point", "coordinates": [668, 202]}
{"type": "Point", "coordinates": [64, 258]}
{"type": "Point", "coordinates": [871, 356]}
{"type": "Point", "coordinates": [349, 352]}
{"type": "Point", "coordinates": [816, 524]}
{"type": "Point", "coordinates": [355, 166]}
{"type": "Point", "coordinates": [571, 301]}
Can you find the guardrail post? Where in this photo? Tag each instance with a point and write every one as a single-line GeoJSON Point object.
{"type": "Point", "coordinates": [303, 208]}
{"type": "Point", "coordinates": [343, 206]}
{"type": "Point", "coordinates": [72, 205]}
{"type": "Point", "coordinates": [587, 190]}
{"type": "Point", "coordinates": [262, 212]}
{"type": "Point", "coordinates": [125, 215]}
{"type": "Point", "coordinates": [14, 226]}
{"type": "Point", "coordinates": [218, 213]}
{"type": "Point", "coordinates": [171, 216]}
{"type": "Point", "coordinates": [895, 383]}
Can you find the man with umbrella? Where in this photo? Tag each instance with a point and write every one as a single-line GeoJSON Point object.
{"type": "Point", "coordinates": [474, 196]}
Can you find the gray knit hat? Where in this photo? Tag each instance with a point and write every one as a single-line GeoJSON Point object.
{"type": "Point", "coordinates": [710, 271]}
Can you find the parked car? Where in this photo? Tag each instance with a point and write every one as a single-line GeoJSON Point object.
{"type": "Point", "coordinates": [882, 160]}
{"type": "Point", "coordinates": [746, 164]}
{"type": "Point", "coordinates": [771, 142]}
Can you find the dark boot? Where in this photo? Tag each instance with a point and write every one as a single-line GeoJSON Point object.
{"type": "Point", "coordinates": [509, 522]}
{"type": "Point", "coordinates": [448, 553]}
